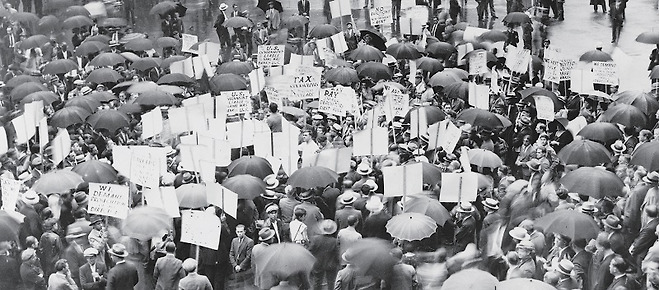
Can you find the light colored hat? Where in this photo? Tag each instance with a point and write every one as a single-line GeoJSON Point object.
{"type": "Point", "coordinates": [86, 91]}
{"type": "Point", "coordinates": [118, 250]}
{"type": "Point", "coordinates": [317, 117]}
{"type": "Point", "coordinates": [78, 82]}
{"type": "Point", "coordinates": [519, 233]}
{"type": "Point", "coordinates": [30, 197]}
{"type": "Point", "coordinates": [612, 222]}
{"type": "Point", "coordinates": [223, 6]}
{"type": "Point", "coordinates": [189, 264]}
{"type": "Point", "coordinates": [25, 176]}
{"type": "Point", "coordinates": [271, 207]}
{"type": "Point", "coordinates": [374, 204]}
{"type": "Point", "coordinates": [75, 233]}
{"type": "Point", "coordinates": [565, 267]}
{"type": "Point", "coordinates": [491, 203]}
{"type": "Point", "coordinates": [327, 227]}
{"type": "Point", "coordinates": [526, 244]}
{"type": "Point", "coordinates": [618, 146]}
{"type": "Point", "coordinates": [347, 199]}
{"type": "Point", "coordinates": [28, 254]}
{"type": "Point", "coordinates": [465, 207]}
{"type": "Point", "coordinates": [266, 234]}
{"type": "Point", "coordinates": [588, 207]}
{"type": "Point", "coordinates": [652, 177]}
{"type": "Point", "coordinates": [90, 252]}
{"type": "Point", "coordinates": [271, 181]}
{"type": "Point", "coordinates": [533, 164]}
{"type": "Point", "coordinates": [371, 183]}
{"type": "Point", "coordinates": [364, 168]}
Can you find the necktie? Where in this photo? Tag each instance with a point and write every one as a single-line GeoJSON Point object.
{"type": "Point", "coordinates": [11, 40]}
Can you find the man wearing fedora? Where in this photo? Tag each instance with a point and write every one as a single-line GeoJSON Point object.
{"type": "Point", "coordinates": [98, 237]}
{"type": "Point", "coordinates": [123, 275]}
{"type": "Point", "coordinates": [325, 247]}
{"type": "Point", "coordinates": [613, 227]}
{"type": "Point", "coordinates": [376, 222]}
{"type": "Point", "coordinates": [341, 216]}
{"type": "Point", "coordinates": [267, 197]}
{"type": "Point", "coordinates": [266, 238]}
{"type": "Point", "coordinates": [313, 211]}
{"type": "Point", "coordinates": [32, 222]}
{"type": "Point", "coordinates": [564, 270]}
{"type": "Point", "coordinates": [465, 226]}
{"type": "Point", "coordinates": [74, 253]}
{"type": "Point", "coordinates": [92, 274]}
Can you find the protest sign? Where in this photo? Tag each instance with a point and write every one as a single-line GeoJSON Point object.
{"type": "Point", "coordinates": [240, 134]}
{"type": "Point", "coordinates": [339, 42]}
{"type": "Point", "coordinates": [191, 155]}
{"type": "Point", "coordinates": [331, 102]}
{"type": "Point", "coordinates": [407, 4]}
{"type": "Point", "coordinates": [188, 41]}
{"type": "Point", "coordinates": [185, 67]}
{"type": "Point", "coordinates": [108, 200]}
{"type": "Point", "coordinates": [151, 123]}
{"type": "Point", "coordinates": [557, 70]}
{"type": "Point", "coordinates": [459, 187]}
{"type": "Point", "coordinates": [472, 33]}
{"type": "Point", "coordinates": [372, 141]}
{"type": "Point", "coordinates": [188, 118]}
{"type": "Point", "coordinates": [305, 86]}
{"type": "Point", "coordinates": [303, 60]}
{"type": "Point", "coordinates": [479, 96]}
{"type": "Point", "coordinates": [238, 102]}
{"type": "Point", "coordinates": [339, 8]}
{"type": "Point", "coordinates": [411, 26]}
{"type": "Point", "coordinates": [443, 134]}
{"type": "Point", "coordinates": [270, 55]}
{"type": "Point", "coordinates": [10, 189]}
{"type": "Point", "coordinates": [145, 166]}
{"type": "Point", "coordinates": [337, 159]}
{"type": "Point", "coordinates": [517, 59]}
{"type": "Point", "coordinates": [381, 15]}
{"type": "Point", "coordinates": [222, 197]}
{"type": "Point", "coordinates": [61, 146]}
{"type": "Point", "coordinates": [33, 112]}
{"type": "Point", "coordinates": [164, 198]}
{"type": "Point", "coordinates": [25, 128]}
{"type": "Point", "coordinates": [396, 104]}
{"type": "Point", "coordinates": [211, 50]}
{"type": "Point", "coordinates": [418, 122]}
{"type": "Point", "coordinates": [217, 146]}
{"type": "Point", "coordinates": [96, 9]}
{"type": "Point", "coordinates": [350, 99]}
{"type": "Point", "coordinates": [545, 108]}
{"type": "Point", "coordinates": [403, 180]}
{"type": "Point", "coordinates": [256, 81]}
{"type": "Point", "coordinates": [206, 100]}
{"type": "Point", "coordinates": [463, 50]}
{"type": "Point", "coordinates": [604, 73]}
{"type": "Point", "coordinates": [478, 63]}
{"type": "Point", "coordinates": [200, 228]}
{"type": "Point", "coordinates": [581, 80]}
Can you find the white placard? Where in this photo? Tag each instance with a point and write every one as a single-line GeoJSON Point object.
{"type": "Point", "coordinates": [517, 59]}
{"type": "Point", "coordinates": [270, 55]}
{"type": "Point", "coordinates": [108, 200]}
{"type": "Point", "coordinates": [238, 102]}
{"type": "Point", "coordinates": [339, 8]}
{"type": "Point", "coordinates": [545, 108]}
{"type": "Point", "coordinates": [403, 180]}
{"type": "Point", "coordinates": [188, 41]}
{"type": "Point", "coordinates": [339, 42]}
{"type": "Point", "coordinates": [164, 198]}
{"type": "Point", "coordinates": [371, 142]}
{"type": "Point", "coordinates": [151, 123]}
{"type": "Point", "coordinates": [200, 228]}
{"type": "Point", "coordinates": [145, 167]}
{"type": "Point", "coordinates": [395, 104]}
{"type": "Point", "coordinates": [305, 86]}
{"type": "Point", "coordinates": [381, 15]}
{"type": "Point", "coordinates": [459, 187]}
{"type": "Point", "coordinates": [331, 101]}
{"type": "Point", "coordinates": [604, 73]}
{"type": "Point", "coordinates": [10, 189]}
{"type": "Point", "coordinates": [220, 196]}
{"type": "Point", "coordinates": [478, 63]}
{"type": "Point", "coordinates": [479, 96]}
{"type": "Point", "coordinates": [256, 81]}
{"type": "Point", "coordinates": [444, 134]}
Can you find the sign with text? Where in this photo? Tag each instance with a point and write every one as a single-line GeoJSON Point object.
{"type": "Point", "coordinates": [270, 55]}
{"type": "Point", "coordinates": [331, 102]}
{"type": "Point", "coordinates": [200, 228]}
{"type": "Point", "coordinates": [604, 73]}
{"type": "Point", "coordinates": [108, 200]}
{"type": "Point", "coordinates": [371, 142]}
{"type": "Point", "coordinates": [238, 102]}
{"type": "Point", "coordinates": [557, 70]}
{"type": "Point", "coordinates": [339, 8]}
{"type": "Point", "coordinates": [478, 63]}
{"type": "Point", "coordinates": [517, 59]}
{"type": "Point", "coordinates": [188, 41]}
{"type": "Point", "coordinates": [10, 189]}
{"type": "Point", "coordinates": [545, 108]}
{"type": "Point", "coordinates": [381, 15]}
{"type": "Point", "coordinates": [145, 167]}
{"type": "Point", "coordinates": [444, 134]}
{"type": "Point", "coordinates": [305, 86]}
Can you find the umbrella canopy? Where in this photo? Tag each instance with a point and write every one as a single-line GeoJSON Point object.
{"type": "Point", "coordinates": [458, 72]}
{"type": "Point", "coordinates": [85, 102]}
{"type": "Point", "coordinates": [265, 5]}
{"type": "Point", "coordinates": [443, 79]}
{"type": "Point", "coordinates": [433, 114]}
{"type": "Point", "coordinates": [649, 37]}
{"type": "Point", "coordinates": [323, 31]}
{"type": "Point", "coordinates": [371, 257]}
{"type": "Point", "coordinates": [76, 10]}
{"type": "Point", "coordinates": [59, 66]}
{"type": "Point", "coordinates": [21, 79]}
{"type": "Point", "coordinates": [429, 65]}
{"type": "Point", "coordinates": [374, 70]}
{"type": "Point", "coordinates": [374, 38]}
{"type": "Point", "coordinates": [47, 97]}
{"type": "Point", "coordinates": [174, 90]}
{"type": "Point", "coordinates": [177, 79]}
{"type": "Point", "coordinates": [252, 165]}
{"type": "Point", "coordinates": [647, 155]}
{"type": "Point", "coordinates": [108, 119]}
{"type": "Point", "coordinates": [129, 56]}
{"type": "Point", "coordinates": [595, 55]}
{"type": "Point", "coordinates": [146, 222]}
{"type": "Point", "coordinates": [639, 99]}
{"type": "Point", "coordinates": [24, 17]}
{"type": "Point", "coordinates": [624, 114]}
{"type": "Point", "coordinates": [527, 96]}
{"type": "Point", "coordinates": [312, 177]}
{"type": "Point", "coordinates": [571, 223]}
{"type": "Point", "coordinates": [404, 50]}
{"type": "Point", "coordinates": [235, 67]}
{"type": "Point", "coordinates": [131, 36]}
{"type": "Point", "coordinates": [104, 75]}
{"type": "Point", "coordinates": [227, 82]}
{"type": "Point", "coordinates": [130, 108]}
{"type": "Point", "coordinates": [294, 21]}
{"type": "Point", "coordinates": [168, 61]}
{"type": "Point", "coordinates": [480, 117]}
{"type": "Point", "coordinates": [139, 44]}
{"type": "Point", "coordinates": [77, 21]}
{"type": "Point", "coordinates": [342, 75]}
{"type": "Point", "coordinates": [34, 41]}
{"type": "Point", "coordinates": [156, 98]}
{"type": "Point", "coordinates": [484, 158]}
{"type": "Point", "coordinates": [163, 7]}
{"type": "Point", "coordinates": [107, 59]}
{"type": "Point", "coordinates": [113, 22]}
{"type": "Point", "coordinates": [90, 47]}
{"type": "Point", "coordinates": [493, 36]}
{"type": "Point", "coordinates": [411, 226]}
{"type": "Point", "coordinates": [284, 260]}
{"type": "Point", "coordinates": [295, 111]}
{"type": "Point", "coordinates": [68, 116]}
{"type": "Point", "coordinates": [58, 181]}
{"type": "Point", "coordinates": [431, 173]}
{"type": "Point", "coordinates": [654, 74]}
{"type": "Point", "coordinates": [245, 185]}
{"type": "Point", "coordinates": [23, 90]}
{"type": "Point", "coordinates": [9, 227]}
{"type": "Point", "coordinates": [458, 90]}
{"type": "Point", "coordinates": [49, 24]}
{"type": "Point", "coordinates": [585, 153]}
{"type": "Point", "coordinates": [516, 17]}
{"type": "Point", "coordinates": [472, 279]}
{"type": "Point", "coordinates": [96, 171]}
{"type": "Point", "coordinates": [440, 49]}
{"type": "Point", "coordinates": [523, 283]}
{"type": "Point", "coordinates": [367, 53]}
{"type": "Point", "coordinates": [601, 131]}
{"type": "Point", "coordinates": [104, 96]}
{"type": "Point", "coordinates": [141, 87]}
{"type": "Point", "coordinates": [99, 37]}
{"type": "Point", "coordinates": [192, 195]}
{"type": "Point", "coordinates": [428, 206]}
{"type": "Point", "coordinates": [166, 41]}
{"type": "Point", "coordinates": [237, 22]}
{"type": "Point", "coordinates": [146, 63]}
{"type": "Point", "coordinates": [593, 181]}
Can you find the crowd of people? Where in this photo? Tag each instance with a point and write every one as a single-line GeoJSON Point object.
{"type": "Point", "coordinates": [58, 244]}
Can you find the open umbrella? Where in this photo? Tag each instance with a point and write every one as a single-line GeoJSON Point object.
{"type": "Point", "coordinates": [523, 283]}
{"type": "Point", "coordinates": [76, 10]}
{"type": "Point", "coordinates": [429, 65]}
{"type": "Point", "coordinates": [645, 102]}
{"type": "Point", "coordinates": [601, 131]}
{"type": "Point", "coordinates": [295, 111]}
{"type": "Point", "coordinates": [85, 102]}
{"type": "Point", "coordinates": [440, 49]}
{"type": "Point", "coordinates": [431, 173]}
{"type": "Point", "coordinates": [264, 5]}
{"type": "Point", "coordinates": [108, 119]}
{"type": "Point", "coordinates": [649, 37]}
{"type": "Point", "coordinates": [9, 227]}
{"type": "Point", "coordinates": [484, 158]}
{"type": "Point", "coordinates": [141, 87]}
{"type": "Point", "coordinates": [146, 63]}
{"type": "Point", "coordinates": [374, 38]}
{"type": "Point", "coordinates": [34, 41]}
{"type": "Point", "coordinates": [459, 90]}
{"type": "Point", "coordinates": [312, 177]}
{"type": "Point", "coordinates": [163, 7]}
{"type": "Point", "coordinates": [237, 22]}
{"type": "Point", "coordinates": [90, 47]}
{"type": "Point", "coordinates": [49, 24]}
{"type": "Point", "coordinates": [598, 96]}
{"type": "Point", "coordinates": [458, 72]}
{"type": "Point", "coordinates": [177, 79]}
{"type": "Point", "coordinates": [371, 257]}
{"type": "Point", "coordinates": [130, 108]}
{"type": "Point", "coordinates": [131, 36]}
{"type": "Point", "coordinates": [166, 41]}
{"type": "Point", "coordinates": [527, 96]}
{"type": "Point", "coordinates": [411, 226]}
{"type": "Point", "coordinates": [103, 97]}
{"type": "Point", "coordinates": [252, 165]}
{"type": "Point", "coordinates": [516, 17]}
{"type": "Point", "coordinates": [654, 74]}
{"type": "Point", "coordinates": [24, 17]}
{"type": "Point", "coordinates": [77, 21]}
{"type": "Point", "coordinates": [104, 75]}
{"type": "Point", "coordinates": [68, 116]}
{"type": "Point", "coordinates": [646, 155]}
{"type": "Point", "coordinates": [139, 44]}
{"type": "Point", "coordinates": [472, 279]}
{"type": "Point", "coordinates": [192, 195]}
{"type": "Point", "coordinates": [593, 181]}
{"type": "Point", "coordinates": [227, 82]}
{"type": "Point", "coordinates": [404, 50]}
{"type": "Point", "coordinates": [58, 181]}
{"type": "Point", "coordinates": [21, 79]}
{"type": "Point", "coordinates": [59, 66]}
{"type": "Point", "coordinates": [235, 67]}
{"type": "Point", "coordinates": [245, 185]}
{"type": "Point", "coordinates": [99, 37]}
{"type": "Point", "coordinates": [571, 223]}
{"type": "Point", "coordinates": [493, 36]}
{"type": "Point", "coordinates": [480, 117]}
{"type": "Point", "coordinates": [595, 55]}
{"type": "Point", "coordinates": [443, 79]}
{"type": "Point", "coordinates": [294, 21]}
{"type": "Point", "coordinates": [96, 171]}
{"type": "Point", "coordinates": [374, 70]}
{"type": "Point", "coordinates": [47, 97]}
{"type": "Point", "coordinates": [624, 114]}
{"type": "Point", "coordinates": [129, 56]}
{"type": "Point", "coordinates": [284, 260]}
{"type": "Point", "coordinates": [107, 59]}
{"type": "Point", "coordinates": [323, 31]}
{"type": "Point", "coordinates": [174, 90]}
{"type": "Point", "coordinates": [168, 61]}
{"type": "Point", "coordinates": [146, 222]}
{"type": "Point", "coordinates": [342, 75]}
{"type": "Point", "coordinates": [428, 206]}
{"type": "Point", "coordinates": [156, 98]}
{"type": "Point", "coordinates": [585, 153]}
{"type": "Point", "coordinates": [23, 90]}
{"type": "Point", "coordinates": [113, 22]}
{"type": "Point", "coordinates": [433, 114]}
{"type": "Point", "coordinates": [367, 53]}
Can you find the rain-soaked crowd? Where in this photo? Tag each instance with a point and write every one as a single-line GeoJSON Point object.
{"type": "Point", "coordinates": [566, 203]}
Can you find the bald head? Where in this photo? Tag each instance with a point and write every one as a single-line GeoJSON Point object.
{"type": "Point", "coordinates": [528, 225]}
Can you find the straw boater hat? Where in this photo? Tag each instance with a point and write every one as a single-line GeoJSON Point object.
{"type": "Point", "coordinates": [652, 177]}
{"type": "Point", "coordinates": [327, 227]}
{"type": "Point", "coordinates": [612, 222]}
{"type": "Point", "coordinates": [465, 207]}
{"type": "Point", "coordinates": [223, 6]}
{"type": "Point", "coordinates": [75, 233]}
{"type": "Point", "coordinates": [271, 207]}
{"type": "Point", "coordinates": [90, 252]}
{"type": "Point", "coordinates": [305, 195]}
{"type": "Point", "coordinates": [618, 146]}
{"type": "Point", "coordinates": [29, 253]}
{"type": "Point", "coordinates": [374, 204]}
{"type": "Point", "coordinates": [30, 197]}
{"type": "Point", "coordinates": [266, 234]}
{"type": "Point", "coordinates": [491, 203]}
{"type": "Point", "coordinates": [565, 267]}
{"type": "Point", "coordinates": [588, 207]}
{"type": "Point", "coordinates": [347, 199]}
{"type": "Point", "coordinates": [519, 234]}
{"type": "Point", "coordinates": [526, 244]}
{"type": "Point", "coordinates": [364, 168]}
{"type": "Point", "coordinates": [118, 250]}
{"type": "Point", "coordinates": [271, 182]}
{"type": "Point", "coordinates": [371, 183]}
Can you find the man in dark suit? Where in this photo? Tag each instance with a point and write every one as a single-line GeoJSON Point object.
{"type": "Point", "coordinates": [581, 261]}
{"type": "Point", "coordinates": [222, 32]}
{"type": "Point", "coordinates": [74, 253]}
{"type": "Point", "coordinates": [240, 254]}
{"type": "Point", "coordinates": [618, 268]}
{"type": "Point", "coordinates": [92, 274]}
{"type": "Point", "coordinates": [630, 139]}
{"type": "Point", "coordinates": [8, 42]}
{"type": "Point", "coordinates": [123, 275]}
{"type": "Point", "coordinates": [325, 248]}
{"type": "Point", "coordinates": [647, 236]}
{"type": "Point", "coordinates": [276, 224]}
{"type": "Point", "coordinates": [341, 215]}
{"type": "Point", "coordinates": [600, 276]}
{"type": "Point", "coordinates": [64, 52]}
{"type": "Point", "coordinates": [375, 223]}
{"type": "Point", "coordinates": [168, 270]}
{"type": "Point", "coordinates": [303, 7]}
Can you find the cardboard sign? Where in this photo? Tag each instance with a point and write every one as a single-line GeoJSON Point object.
{"type": "Point", "coordinates": [472, 33]}
{"type": "Point", "coordinates": [303, 60]}
{"type": "Point", "coordinates": [188, 41]}
{"type": "Point", "coordinates": [403, 180]}
{"type": "Point", "coordinates": [256, 81]}
{"type": "Point", "coordinates": [61, 146]}
{"type": "Point", "coordinates": [395, 104]}
{"type": "Point", "coordinates": [517, 59]}
{"type": "Point", "coordinates": [478, 63]}
{"type": "Point", "coordinates": [381, 15]}
{"type": "Point", "coordinates": [305, 86]}
{"type": "Point", "coordinates": [604, 73]}
{"type": "Point", "coordinates": [185, 67]}
{"type": "Point", "coordinates": [581, 80]}
{"type": "Point", "coordinates": [145, 167]}
{"type": "Point", "coordinates": [239, 102]}
{"type": "Point", "coordinates": [340, 8]}
{"type": "Point", "coordinates": [411, 26]}
{"type": "Point", "coordinates": [331, 102]}
{"type": "Point", "coordinates": [96, 9]}
{"type": "Point", "coordinates": [545, 108]}
{"type": "Point", "coordinates": [4, 143]}
{"type": "Point", "coordinates": [191, 155]}
{"type": "Point", "coordinates": [163, 197]}
{"type": "Point", "coordinates": [418, 122]}
{"type": "Point", "coordinates": [10, 189]}
{"type": "Point", "coordinates": [459, 187]}
{"type": "Point", "coordinates": [108, 200]}
{"type": "Point", "coordinates": [200, 228]}
{"type": "Point", "coordinates": [212, 50]}
{"type": "Point", "coordinates": [339, 42]}
{"type": "Point", "coordinates": [220, 196]}
{"type": "Point", "coordinates": [337, 159]}
{"type": "Point", "coordinates": [188, 118]}
{"type": "Point", "coordinates": [444, 134]}
{"type": "Point", "coordinates": [206, 100]}
{"type": "Point", "coordinates": [463, 49]}
{"type": "Point", "coordinates": [270, 55]}
{"type": "Point", "coordinates": [371, 142]}
{"type": "Point", "coordinates": [25, 128]}
{"type": "Point", "coordinates": [151, 123]}
{"type": "Point", "coordinates": [479, 96]}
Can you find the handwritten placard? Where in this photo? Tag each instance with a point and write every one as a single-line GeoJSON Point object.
{"type": "Point", "coordinates": [444, 134]}
{"type": "Point", "coordinates": [381, 15]}
{"type": "Point", "coordinates": [145, 167]}
{"type": "Point", "coordinates": [545, 108]}
{"type": "Point", "coordinates": [331, 102]}
{"type": "Point", "coordinates": [10, 189]}
{"type": "Point", "coordinates": [200, 228]}
{"type": "Point", "coordinates": [188, 41]}
{"type": "Point", "coordinates": [305, 86]}
{"type": "Point", "coordinates": [270, 55]}
{"type": "Point", "coordinates": [108, 200]}
{"type": "Point", "coordinates": [604, 73]}
{"type": "Point", "coordinates": [238, 102]}
{"type": "Point", "coordinates": [395, 104]}
{"type": "Point", "coordinates": [478, 62]}
{"type": "Point", "coordinates": [517, 59]}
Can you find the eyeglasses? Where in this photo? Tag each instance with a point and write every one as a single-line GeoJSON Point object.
{"type": "Point", "coordinates": [273, 211]}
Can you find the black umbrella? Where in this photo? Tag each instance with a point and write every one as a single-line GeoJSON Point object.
{"type": "Point", "coordinates": [377, 40]}
{"type": "Point", "coordinates": [263, 5]}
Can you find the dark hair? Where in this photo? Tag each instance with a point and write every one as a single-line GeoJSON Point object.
{"type": "Point", "coordinates": [170, 247]}
{"type": "Point", "coordinates": [580, 243]}
{"type": "Point", "coordinates": [352, 220]}
{"type": "Point", "coordinates": [60, 265]}
{"type": "Point", "coordinates": [300, 212]}
{"type": "Point", "coordinates": [273, 107]}
{"type": "Point", "coordinates": [619, 263]}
